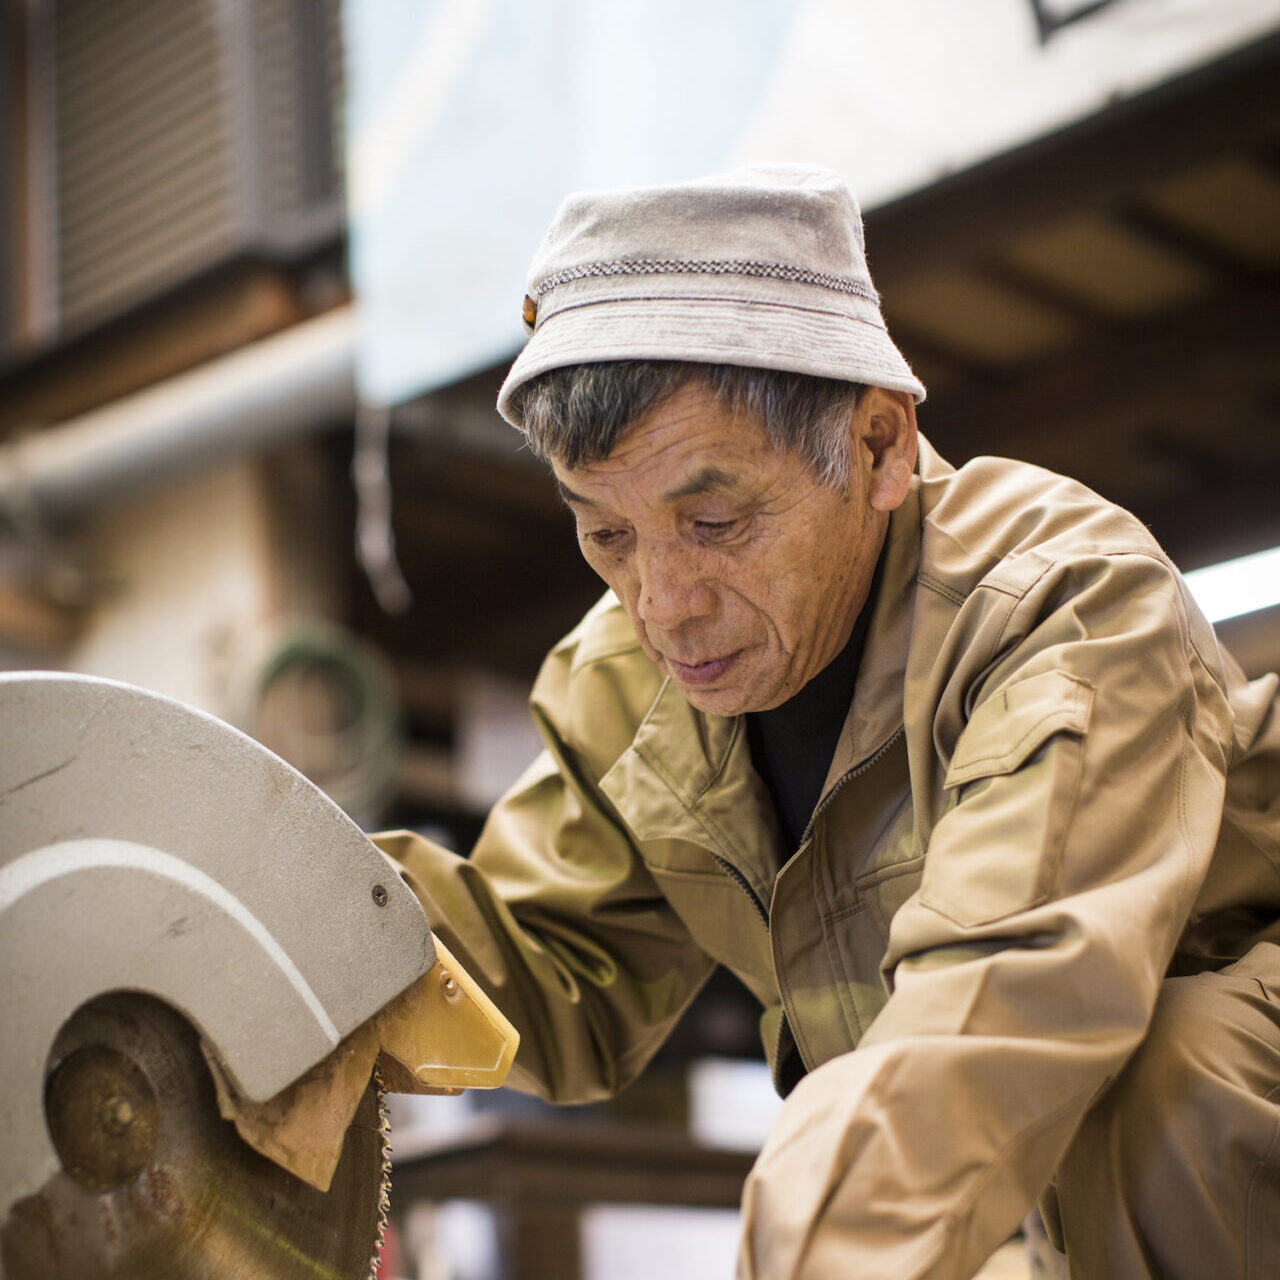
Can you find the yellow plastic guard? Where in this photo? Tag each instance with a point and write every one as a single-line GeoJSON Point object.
{"type": "Point", "coordinates": [442, 1034]}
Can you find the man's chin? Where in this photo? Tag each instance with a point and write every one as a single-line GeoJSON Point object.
{"type": "Point", "coordinates": [729, 686]}
{"type": "Point", "coordinates": [730, 699]}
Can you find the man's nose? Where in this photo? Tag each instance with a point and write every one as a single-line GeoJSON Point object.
{"type": "Point", "coordinates": [672, 590]}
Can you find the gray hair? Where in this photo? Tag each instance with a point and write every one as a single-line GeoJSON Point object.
{"type": "Point", "coordinates": [576, 414]}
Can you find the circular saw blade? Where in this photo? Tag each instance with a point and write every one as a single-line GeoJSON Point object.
{"type": "Point", "coordinates": [155, 1185]}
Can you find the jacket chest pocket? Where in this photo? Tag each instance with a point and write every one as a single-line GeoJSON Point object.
{"type": "Point", "coordinates": [883, 891]}
{"type": "Point", "coordinates": [858, 936]}
{"type": "Point", "coordinates": [864, 843]}
{"type": "Point", "coordinates": [866, 864]}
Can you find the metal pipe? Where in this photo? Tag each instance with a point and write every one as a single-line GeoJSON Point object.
{"type": "Point", "coordinates": [293, 383]}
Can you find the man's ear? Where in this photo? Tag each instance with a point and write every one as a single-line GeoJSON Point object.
{"type": "Point", "coordinates": [885, 425]}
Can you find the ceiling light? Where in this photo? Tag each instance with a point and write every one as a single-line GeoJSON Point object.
{"type": "Point", "coordinates": [1237, 586]}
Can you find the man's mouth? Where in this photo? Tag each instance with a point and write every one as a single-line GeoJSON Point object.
{"type": "Point", "coordinates": [701, 673]}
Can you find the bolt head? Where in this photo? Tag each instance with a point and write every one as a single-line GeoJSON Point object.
{"type": "Point", "coordinates": [117, 1114]}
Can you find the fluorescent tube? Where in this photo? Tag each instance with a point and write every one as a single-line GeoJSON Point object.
{"type": "Point", "coordinates": [1237, 586]}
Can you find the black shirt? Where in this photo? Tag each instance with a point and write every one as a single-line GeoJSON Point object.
{"type": "Point", "coordinates": [792, 745]}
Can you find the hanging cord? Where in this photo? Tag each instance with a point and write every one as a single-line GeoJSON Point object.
{"type": "Point", "coordinates": [375, 539]}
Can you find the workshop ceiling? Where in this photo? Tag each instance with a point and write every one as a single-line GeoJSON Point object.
{"type": "Point", "coordinates": [1101, 301]}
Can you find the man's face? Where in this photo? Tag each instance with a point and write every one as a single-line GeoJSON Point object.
{"type": "Point", "coordinates": [741, 571]}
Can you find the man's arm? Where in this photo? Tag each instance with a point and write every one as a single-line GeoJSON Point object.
{"type": "Point", "coordinates": [1024, 971]}
{"type": "Point", "coordinates": [554, 913]}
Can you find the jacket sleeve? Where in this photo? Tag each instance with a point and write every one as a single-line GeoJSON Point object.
{"type": "Point", "coordinates": [1086, 790]}
{"type": "Point", "coordinates": [554, 913]}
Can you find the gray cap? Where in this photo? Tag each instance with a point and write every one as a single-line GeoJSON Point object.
{"type": "Point", "coordinates": [763, 267]}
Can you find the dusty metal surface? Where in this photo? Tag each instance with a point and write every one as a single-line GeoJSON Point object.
{"type": "Point", "coordinates": [147, 847]}
{"type": "Point", "coordinates": [209, 969]}
{"type": "Point", "coordinates": [156, 1186]}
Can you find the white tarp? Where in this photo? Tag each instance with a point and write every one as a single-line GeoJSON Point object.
{"type": "Point", "coordinates": [469, 119]}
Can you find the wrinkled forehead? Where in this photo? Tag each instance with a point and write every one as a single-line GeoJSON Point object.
{"type": "Point", "coordinates": [689, 445]}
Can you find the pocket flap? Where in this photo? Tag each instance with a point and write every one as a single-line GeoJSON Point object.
{"type": "Point", "coordinates": [1008, 728]}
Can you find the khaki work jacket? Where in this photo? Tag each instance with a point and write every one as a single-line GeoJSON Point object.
{"type": "Point", "coordinates": [1027, 824]}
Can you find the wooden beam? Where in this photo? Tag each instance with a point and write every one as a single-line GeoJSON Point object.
{"type": "Point", "coordinates": [1219, 519]}
{"type": "Point", "coordinates": [175, 333]}
{"type": "Point", "coordinates": [520, 1161]}
{"type": "Point", "coordinates": [1108, 384]}
{"type": "Point", "coordinates": [1231, 105]}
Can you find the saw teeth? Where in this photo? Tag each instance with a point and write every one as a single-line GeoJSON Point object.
{"type": "Point", "coordinates": [384, 1188]}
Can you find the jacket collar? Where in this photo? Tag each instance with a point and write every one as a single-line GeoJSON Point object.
{"type": "Point", "coordinates": [876, 712]}
{"type": "Point", "coordinates": [688, 775]}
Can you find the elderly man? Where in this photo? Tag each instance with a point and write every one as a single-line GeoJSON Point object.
{"type": "Point", "coordinates": [944, 765]}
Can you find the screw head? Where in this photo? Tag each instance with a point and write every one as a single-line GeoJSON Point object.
{"type": "Point", "coordinates": [380, 895]}
{"type": "Point", "coordinates": [117, 1114]}
{"type": "Point", "coordinates": [448, 983]}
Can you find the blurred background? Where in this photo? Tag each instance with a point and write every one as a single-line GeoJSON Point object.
{"type": "Point", "coordinates": [261, 271]}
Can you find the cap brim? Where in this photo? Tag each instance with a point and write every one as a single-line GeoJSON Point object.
{"type": "Point", "coordinates": [761, 335]}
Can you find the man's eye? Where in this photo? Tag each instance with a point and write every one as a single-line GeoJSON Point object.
{"type": "Point", "coordinates": [715, 530]}
{"type": "Point", "coordinates": [604, 538]}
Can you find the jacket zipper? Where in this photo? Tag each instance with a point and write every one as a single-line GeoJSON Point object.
{"type": "Point", "coordinates": [775, 1067]}
{"type": "Point", "coordinates": [861, 767]}
{"type": "Point", "coordinates": [739, 879]}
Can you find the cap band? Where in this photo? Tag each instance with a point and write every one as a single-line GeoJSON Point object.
{"type": "Point", "coordinates": [712, 267]}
